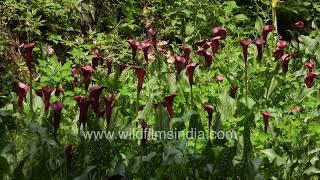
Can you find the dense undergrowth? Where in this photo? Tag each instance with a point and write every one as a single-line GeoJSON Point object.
{"type": "Point", "coordinates": [71, 66]}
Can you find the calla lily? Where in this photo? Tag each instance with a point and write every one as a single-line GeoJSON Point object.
{"type": "Point", "coordinates": [109, 102]}
{"type": "Point", "coordinates": [28, 53]}
{"type": "Point", "coordinates": [299, 24]}
{"type": "Point", "coordinates": [123, 67]}
{"type": "Point", "coordinates": [219, 78]}
{"type": "Point", "coordinates": [68, 152]}
{"type": "Point", "coordinates": [245, 44]}
{"type": "Point", "coordinates": [180, 63]}
{"type": "Point", "coordinates": [145, 129]}
{"type": "Point", "coordinates": [214, 44]}
{"type": "Point", "coordinates": [308, 80]}
{"type": "Point", "coordinates": [95, 93]}
{"type": "Point", "coordinates": [219, 31]}
{"type": "Point", "coordinates": [265, 31]}
{"type": "Point", "coordinates": [200, 43]}
{"type": "Point", "coordinates": [266, 116]}
{"type": "Point", "coordinates": [154, 32]}
{"type": "Point", "coordinates": [57, 108]}
{"type": "Point", "coordinates": [210, 109]}
{"type": "Point", "coordinates": [86, 72]}
{"type": "Point", "coordinates": [22, 92]}
{"type": "Point", "coordinates": [140, 72]}
{"type": "Point", "coordinates": [233, 91]}
{"type": "Point", "coordinates": [282, 44]}
{"type": "Point", "coordinates": [285, 62]}
{"type": "Point", "coordinates": [97, 57]}
{"type": "Point", "coordinates": [278, 53]}
{"type": "Point", "coordinates": [186, 53]}
{"type": "Point", "coordinates": [145, 46]}
{"type": "Point", "coordinates": [259, 43]}
{"type": "Point", "coordinates": [207, 56]}
{"type": "Point", "coordinates": [46, 91]}
{"type": "Point", "coordinates": [59, 91]}
{"type": "Point", "coordinates": [296, 109]}
{"type": "Point", "coordinates": [134, 47]}
{"type": "Point", "coordinates": [310, 66]}
{"type": "Point", "coordinates": [109, 66]}
{"type": "Point", "coordinates": [190, 71]}
{"type": "Point", "coordinates": [83, 103]}
{"type": "Point", "coordinates": [168, 103]}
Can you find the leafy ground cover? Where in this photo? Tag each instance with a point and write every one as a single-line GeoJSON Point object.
{"type": "Point", "coordinates": [199, 67]}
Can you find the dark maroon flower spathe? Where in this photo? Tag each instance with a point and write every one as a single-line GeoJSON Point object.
{"type": "Point", "coordinates": [210, 109]}
{"type": "Point", "coordinates": [109, 102]}
{"type": "Point", "coordinates": [299, 24]}
{"type": "Point", "coordinates": [219, 31]}
{"type": "Point", "coordinates": [83, 103]}
{"type": "Point", "coordinates": [22, 92]}
{"type": "Point", "coordinates": [140, 72]}
{"type": "Point", "coordinates": [145, 129]}
{"type": "Point", "coordinates": [207, 56]}
{"type": "Point", "coordinates": [68, 152]}
{"type": "Point", "coordinates": [145, 46]}
{"type": "Point", "coordinates": [28, 53]}
{"type": "Point", "coordinates": [245, 44]}
{"type": "Point", "coordinates": [168, 103]}
{"type": "Point", "coordinates": [95, 93]}
{"type": "Point", "coordinates": [57, 108]}
{"type": "Point", "coordinates": [154, 32]}
{"type": "Point", "coordinates": [259, 43]}
{"type": "Point", "coordinates": [86, 73]}
{"type": "Point", "coordinates": [190, 71]}
{"type": "Point", "coordinates": [180, 63]}
{"type": "Point", "coordinates": [310, 66]}
{"type": "Point", "coordinates": [266, 116]}
{"type": "Point", "coordinates": [186, 53]}
{"type": "Point", "coordinates": [285, 62]}
{"type": "Point", "coordinates": [214, 44]}
{"type": "Point", "coordinates": [46, 91]}
{"type": "Point", "coordinates": [308, 80]}
{"type": "Point", "coordinates": [265, 31]}
{"type": "Point", "coordinates": [134, 47]}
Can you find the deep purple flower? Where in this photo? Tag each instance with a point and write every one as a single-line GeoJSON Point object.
{"type": "Point", "coordinates": [134, 47]}
{"type": "Point", "coordinates": [97, 57]}
{"type": "Point", "coordinates": [245, 44]}
{"type": "Point", "coordinates": [180, 63]}
{"type": "Point", "coordinates": [59, 91]}
{"type": "Point", "coordinates": [265, 31]}
{"type": "Point", "coordinates": [123, 67]}
{"type": "Point", "coordinates": [109, 102]}
{"type": "Point", "coordinates": [219, 78]}
{"type": "Point", "coordinates": [210, 109]}
{"type": "Point", "coordinates": [83, 103]}
{"type": "Point", "coordinates": [278, 53]}
{"type": "Point", "coordinates": [68, 152]}
{"type": "Point", "coordinates": [285, 62]}
{"type": "Point", "coordinates": [22, 92]}
{"type": "Point", "coordinates": [282, 44]}
{"type": "Point", "coordinates": [28, 53]}
{"type": "Point", "coordinates": [168, 103]}
{"type": "Point", "coordinates": [200, 43]}
{"type": "Point", "coordinates": [190, 71]}
{"type": "Point", "coordinates": [46, 91]}
{"type": "Point", "coordinates": [145, 46]}
{"type": "Point", "coordinates": [308, 80]}
{"type": "Point", "coordinates": [145, 129]}
{"type": "Point", "coordinates": [109, 66]}
{"type": "Point", "coordinates": [266, 116]}
{"type": "Point", "coordinates": [154, 32]}
{"type": "Point", "coordinates": [214, 44]}
{"type": "Point", "coordinates": [299, 24]}
{"type": "Point", "coordinates": [207, 56]}
{"type": "Point", "coordinates": [57, 108]}
{"type": "Point", "coordinates": [186, 53]}
{"type": "Point", "coordinates": [219, 31]}
{"type": "Point", "coordinates": [233, 91]}
{"type": "Point", "coordinates": [86, 73]}
{"type": "Point", "coordinates": [140, 72]}
{"type": "Point", "coordinates": [259, 43]}
{"type": "Point", "coordinates": [310, 66]}
{"type": "Point", "coordinates": [95, 93]}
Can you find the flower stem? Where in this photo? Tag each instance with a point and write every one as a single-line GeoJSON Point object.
{"type": "Point", "coordinates": [31, 102]}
